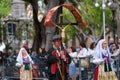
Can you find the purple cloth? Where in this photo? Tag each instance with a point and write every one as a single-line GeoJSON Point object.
{"type": "Point", "coordinates": [26, 60]}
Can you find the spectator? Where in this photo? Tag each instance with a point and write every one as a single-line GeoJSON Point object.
{"type": "Point", "coordinates": [16, 54]}
{"type": "Point", "coordinates": [110, 42]}
{"type": "Point", "coordinates": [1, 62]}
{"type": "Point", "coordinates": [119, 43]}
{"type": "Point", "coordinates": [91, 52]}
{"type": "Point", "coordinates": [72, 65]}
{"type": "Point", "coordinates": [83, 53]}
{"type": "Point", "coordinates": [115, 54]}
{"type": "Point", "coordinates": [36, 64]}
{"type": "Point", "coordinates": [1, 58]}
{"type": "Point", "coordinates": [42, 56]}
{"type": "Point", "coordinates": [8, 62]}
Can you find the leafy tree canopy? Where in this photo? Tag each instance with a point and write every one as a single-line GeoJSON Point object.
{"type": "Point", "coordinates": [92, 15]}
{"type": "Point", "coordinates": [5, 7]}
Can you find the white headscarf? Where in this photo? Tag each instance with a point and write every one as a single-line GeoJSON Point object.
{"type": "Point", "coordinates": [19, 57]}
{"type": "Point", "coordinates": [98, 50]}
{"type": "Point", "coordinates": [2, 46]}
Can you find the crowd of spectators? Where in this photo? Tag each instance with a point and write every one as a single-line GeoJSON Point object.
{"type": "Point", "coordinates": [8, 59]}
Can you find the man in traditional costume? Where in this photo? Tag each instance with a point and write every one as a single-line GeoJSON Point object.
{"type": "Point", "coordinates": [102, 58]}
{"type": "Point", "coordinates": [58, 60]}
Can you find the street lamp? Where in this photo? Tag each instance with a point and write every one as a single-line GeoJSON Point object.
{"type": "Point", "coordinates": [103, 9]}
{"type": "Point", "coordinates": [114, 6]}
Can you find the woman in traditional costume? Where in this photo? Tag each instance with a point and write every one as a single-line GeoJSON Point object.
{"type": "Point", "coordinates": [24, 62]}
{"type": "Point", "coordinates": [102, 58]}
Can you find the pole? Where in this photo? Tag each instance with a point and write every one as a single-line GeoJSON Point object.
{"type": "Point", "coordinates": [104, 23]}
{"type": "Point", "coordinates": [103, 7]}
{"type": "Point", "coordinates": [2, 29]}
{"type": "Point", "coordinates": [79, 62]}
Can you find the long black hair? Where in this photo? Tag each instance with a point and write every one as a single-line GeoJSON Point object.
{"type": "Point", "coordinates": [82, 44]}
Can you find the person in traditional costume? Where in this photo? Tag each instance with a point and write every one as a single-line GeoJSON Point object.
{"type": "Point", "coordinates": [24, 62]}
{"type": "Point", "coordinates": [102, 58]}
{"type": "Point", "coordinates": [58, 60]}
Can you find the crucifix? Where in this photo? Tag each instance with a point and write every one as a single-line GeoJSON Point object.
{"type": "Point", "coordinates": [74, 11]}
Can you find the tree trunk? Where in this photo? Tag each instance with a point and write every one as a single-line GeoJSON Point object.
{"type": "Point", "coordinates": [50, 30]}
{"type": "Point", "coordinates": [118, 23]}
{"type": "Point", "coordinates": [43, 35]}
{"type": "Point", "coordinates": [38, 26]}
{"type": "Point", "coordinates": [118, 28]}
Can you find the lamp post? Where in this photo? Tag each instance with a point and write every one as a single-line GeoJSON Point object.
{"type": "Point", "coordinates": [103, 9]}
{"type": "Point", "coordinates": [103, 14]}
{"type": "Point", "coordinates": [114, 6]}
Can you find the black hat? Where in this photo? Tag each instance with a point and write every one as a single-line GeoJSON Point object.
{"type": "Point", "coordinates": [56, 37]}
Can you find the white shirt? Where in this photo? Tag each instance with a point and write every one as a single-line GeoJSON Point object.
{"type": "Point", "coordinates": [73, 55]}
{"type": "Point", "coordinates": [82, 53]}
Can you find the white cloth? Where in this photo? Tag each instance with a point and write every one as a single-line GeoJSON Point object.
{"type": "Point", "coordinates": [98, 52]}
{"type": "Point", "coordinates": [2, 46]}
{"type": "Point", "coordinates": [20, 59]}
{"type": "Point", "coordinates": [74, 56]}
{"type": "Point", "coordinates": [91, 53]}
{"type": "Point", "coordinates": [83, 53]}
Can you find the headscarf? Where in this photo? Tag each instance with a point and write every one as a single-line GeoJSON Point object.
{"type": "Point", "coordinates": [98, 50]}
{"type": "Point", "coordinates": [2, 46]}
{"type": "Point", "coordinates": [19, 57]}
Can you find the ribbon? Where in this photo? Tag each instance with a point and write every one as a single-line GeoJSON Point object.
{"type": "Point", "coordinates": [72, 9]}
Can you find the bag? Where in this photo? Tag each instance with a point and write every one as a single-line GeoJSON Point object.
{"type": "Point", "coordinates": [76, 63]}
{"type": "Point", "coordinates": [85, 63]}
{"type": "Point", "coordinates": [27, 66]}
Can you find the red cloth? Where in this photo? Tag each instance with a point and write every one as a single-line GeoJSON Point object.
{"type": "Point", "coordinates": [25, 45]}
{"type": "Point", "coordinates": [72, 9]}
{"type": "Point", "coordinates": [96, 73]}
{"type": "Point", "coordinates": [18, 71]}
{"type": "Point", "coordinates": [54, 65]}
{"type": "Point", "coordinates": [35, 73]}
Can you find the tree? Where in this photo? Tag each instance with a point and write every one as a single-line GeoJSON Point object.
{"type": "Point", "coordinates": [93, 17]}
{"type": "Point", "coordinates": [43, 34]}
{"type": "Point", "coordinates": [4, 10]}
{"type": "Point", "coordinates": [5, 6]}
{"type": "Point", "coordinates": [38, 25]}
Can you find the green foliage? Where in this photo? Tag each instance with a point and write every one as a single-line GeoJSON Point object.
{"type": "Point", "coordinates": [69, 18]}
{"type": "Point", "coordinates": [70, 31]}
{"type": "Point", "coordinates": [67, 15]}
{"type": "Point", "coordinates": [5, 6]}
{"type": "Point", "coordinates": [93, 16]}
